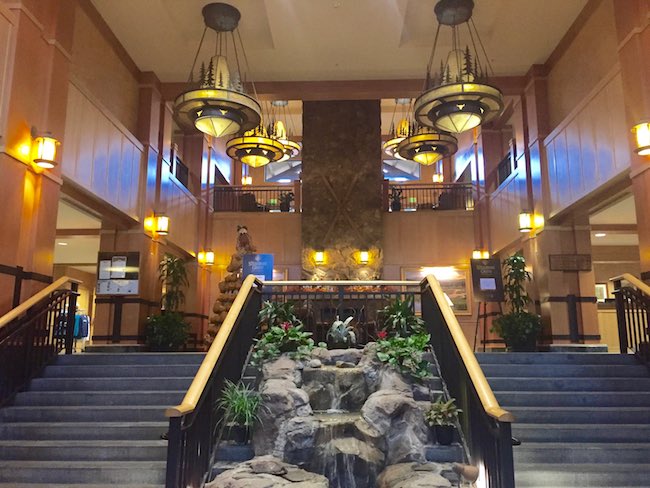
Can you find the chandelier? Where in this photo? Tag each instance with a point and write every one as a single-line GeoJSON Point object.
{"type": "Point", "coordinates": [400, 130]}
{"type": "Point", "coordinates": [291, 148]}
{"type": "Point", "coordinates": [457, 97]}
{"type": "Point", "coordinates": [216, 104]}
{"type": "Point", "coordinates": [256, 147]}
{"type": "Point", "coordinates": [426, 146]}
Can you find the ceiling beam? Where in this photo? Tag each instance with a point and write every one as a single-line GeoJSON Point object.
{"type": "Point", "coordinates": [77, 232]}
{"type": "Point", "coordinates": [347, 90]}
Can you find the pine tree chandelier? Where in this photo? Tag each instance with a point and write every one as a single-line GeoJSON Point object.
{"type": "Point", "coordinates": [256, 147]}
{"type": "Point", "coordinates": [291, 148]}
{"type": "Point", "coordinates": [426, 146]}
{"type": "Point", "coordinates": [217, 104]}
{"type": "Point", "coordinates": [398, 130]}
{"type": "Point", "coordinates": [458, 98]}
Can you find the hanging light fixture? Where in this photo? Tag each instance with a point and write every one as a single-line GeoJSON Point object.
{"type": "Point", "coordinates": [458, 98]}
{"type": "Point", "coordinates": [291, 148]}
{"type": "Point", "coordinates": [398, 131]}
{"type": "Point", "coordinates": [426, 146]}
{"type": "Point", "coordinates": [216, 104]}
{"type": "Point", "coordinates": [255, 148]}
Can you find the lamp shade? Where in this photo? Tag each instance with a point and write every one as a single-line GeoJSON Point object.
{"type": "Point", "coordinates": [642, 136]}
{"type": "Point", "coordinates": [525, 222]}
{"type": "Point", "coordinates": [217, 122]}
{"type": "Point", "coordinates": [45, 152]}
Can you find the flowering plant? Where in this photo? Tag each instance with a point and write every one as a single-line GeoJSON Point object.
{"type": "Point", "coordinates": [287, 337]}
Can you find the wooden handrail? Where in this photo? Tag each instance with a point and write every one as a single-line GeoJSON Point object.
{"type": "Point", "coordinates": [481, 385]}
{"type": "Point", "coordinates": [30, 302]}
{"type": "Point", "coordinates": [633, 280]}
{"type": "Point", "coordinates": [194, 392]}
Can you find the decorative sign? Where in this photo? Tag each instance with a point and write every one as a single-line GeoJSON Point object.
{"type": "Point", "coordinates": [487, 280]}
{"type": "Point", "coordinates": [118, 273]}
{"type": "Point", "coordinates": [260, 265]}
{"type": "Point", "coordinates": [569, 262]}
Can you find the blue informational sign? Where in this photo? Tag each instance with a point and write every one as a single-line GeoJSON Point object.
{"type": "Point", "coordinates": [260, 265]}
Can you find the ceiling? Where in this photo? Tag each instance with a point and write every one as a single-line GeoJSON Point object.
{"type": "Point", "coordinates": [80, 251]}
{"type": "Point", "coordinates": [611, 222]}
{"type": "Point", "coordinates": [299, 40]}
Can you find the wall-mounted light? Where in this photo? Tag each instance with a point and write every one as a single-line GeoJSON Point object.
{"type": "Point", "coordinates": [642, 135]}
{"type": "Point", "coordinates": [158, 224]}
{"type": "Point", "coordinates": [480, 254]}
{"type": "Point", "coordinates": [246, 180]}
{"type": "Point", "coordinates": [525, 222]}
{"type": "Point", "coordinates": [364, 257]}
{"type": "Point", "coordinates": [438, 178]}
{"type": "Point", "coordinates": [319, 257]}
{"type": "Point", "coordinates": [45, 151]}
{"type": "Point", "coordinates": [206, 258]}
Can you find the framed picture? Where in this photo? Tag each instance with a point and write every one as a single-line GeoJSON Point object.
{"type": "Point", "coordinates": [454, 281]}
{"type": "Point", "coordinates": [601, 292]}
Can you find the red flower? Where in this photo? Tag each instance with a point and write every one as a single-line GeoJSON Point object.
{"type": "Point", "coordinates": [382, 334]}
{"type": "Point", "coordinates": [286, 326]}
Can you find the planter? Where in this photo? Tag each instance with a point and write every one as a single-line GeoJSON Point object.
{"type": "Point", "coordinates": [339, 345]}
{"type": "Point", "coordinates": [444, 434]}
{"type": "Point", "coordinates": [524, 344]}
{"type": "Point", "coordinates": [396, 205]}
{"type": "Point", "coordinates": [239, 434]}
{"type": "Point", "coordinates": [285, 207]}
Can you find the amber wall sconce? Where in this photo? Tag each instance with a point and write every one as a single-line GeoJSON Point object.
{"type": "Point", "coordinates": [530, 221]}
{"type": "Point", "coordinates": [157, 225]}
{"type": "Point", "coordinates": [44, 150]}
{"type": "Point", "coordinates": [319, 257]}
{"type": "Point", "coordinates": [364, 257]}
{"type": "Point", "coordinates": [642, 136]}
{"type": "Point", "coordinates": [480, 254]}
{"type": "Point", "coordinates": [205, 258]}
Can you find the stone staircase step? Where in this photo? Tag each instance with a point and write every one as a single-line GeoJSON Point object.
{"type": "Point", "coordinates": [569, 384]}
{"type": "Point", "coordinates": [570, 452]}
{"type": "Point", "coordinates": [86, 413]}
{"type": "Point", "coordinates": [580, 415]}
{"type": "Point", "coordinates": [167, 358]}
{"type": "Point", "coordinates": [582, 475]}
{"type": "Point", "coordinates": [116, 348]}
{"type": "Point", "coordinates": [111, 384]}
{"type": "Point", "coordinates": [559, 371]}
{"type": "Point", "coordinates": [573, 399]}
{"type": "Point", "coordinates": [82, 430]}
{"type": "Point", "coordinates": [83, 450]}
{"type": "Point", "coordinates": [71, 472]}
{"type": "Point", "coordinates": [119, 371]}
{"type": "Point", "coordinates": [70, 398]}
{"type": "Point", "coordinates": [554, 359]}
{"type": "Point", "coordinates": [581, 432]}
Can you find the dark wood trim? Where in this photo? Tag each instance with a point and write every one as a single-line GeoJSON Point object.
{"type": "Point", "coordinates": [572, 33]}
{"type": "Point", "coordinates": [77, 232]}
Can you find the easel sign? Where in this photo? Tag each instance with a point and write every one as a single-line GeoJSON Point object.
{"type": "Point", "coordinates": [487, 282]}
{"type": "Point", "coordinates": [118, 273]}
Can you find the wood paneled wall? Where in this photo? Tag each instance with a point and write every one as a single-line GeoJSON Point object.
{"type": "Point", "coordinates": [505, 204]}
{"type": "Point", "coordinates": [182, 208]}
{"type": "Point", "coordinates": [6, 55]}
{"type": "Point", "coordinates": [590, 147]}
{"type": "Point", "coordinates": [100, 154]}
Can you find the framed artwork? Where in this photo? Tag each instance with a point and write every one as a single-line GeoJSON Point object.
{"type": "Point", "coordinates": [454, 281]}
{"type": "Point", "coordinates": [601, 292]}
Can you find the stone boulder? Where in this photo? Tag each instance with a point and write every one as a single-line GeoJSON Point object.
{"type": "Point", "coordinates": [296, 440]}
{"type": "Point", "coordinates": [268, 472]}
{"type": "Point", "coordinates": [348, 462]}
{"type": "Point", "coordinates": [329, 357]}
{"type": "Point", "coordinates": [397, 417]}
{"type": "Point", "coordinates": [335, 388]}
{"type": "Point", "coordinates": [413, 475]}
{"type": "Point", "coordinates": [283, 368]}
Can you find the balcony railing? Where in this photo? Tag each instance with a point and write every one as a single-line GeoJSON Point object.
{"type": "Point", "coordinates": [430, 196]}
{"type": "Point", "coordinates": [250, 198]}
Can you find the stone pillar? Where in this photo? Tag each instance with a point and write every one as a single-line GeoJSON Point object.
{"type": "Point", "coordinates": [342, 181]}
{"type": "Point", "coordinates": [633, 31]}
{"type": "Point", "coordinates": [34, 95]}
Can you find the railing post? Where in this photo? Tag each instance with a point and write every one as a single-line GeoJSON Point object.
{"type": "Point", "coordinates": [506, 460]}
{"type": "Point", "coordinates": [572, 312]}
{"type": "Point", "coordinates": [174, 455]}
{"type": "Point", "coordinates": [620, 320]}
{"type": "Point", "coordinates": [70, 319]}
{"type": "Point", "coordinates": [18, 284]}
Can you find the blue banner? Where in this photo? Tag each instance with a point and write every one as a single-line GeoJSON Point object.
{"type": "Point", "coordinates": [260, 265]}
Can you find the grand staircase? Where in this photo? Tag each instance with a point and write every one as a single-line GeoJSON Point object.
{"type": "Point", "coordinates": [94, 420]}
{"type": "Point", "coordinates": [583, 419]}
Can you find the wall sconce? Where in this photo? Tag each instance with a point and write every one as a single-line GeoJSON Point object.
{"type": "Point", "coordinates": [438, 178]}
{"type": "Point", "coordinates": [642, 134]}
{"type": "Point", "coordinates": [319, 257]}
{"type": "Point", "coordinates": [525, 222]}
{"type": "Point", "coordinates": [157, 225]}
{"type": "Point", "coordinates": [480, 254]}
{"type": "Point", "coordinates": [206, 258]}
{"type": "Point", "coordinates": [45, 151]}
{"type": "Point", "coordinates": [364, 257]}
{"type": "Point", "coordinates": [246, 180]}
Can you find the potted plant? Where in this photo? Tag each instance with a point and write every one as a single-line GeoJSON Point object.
{"type": "Point", "coordinates": [272, 314]}
{"type": "Point", "coordinates": [442, 417]}
{"type": "Point", "coordinates": [518, 328]}
{"type": "Point", "coordinates": [395, 199]}
{"type": "Point", "coordinates": [168, 331]}
{"type": "Point", "coordinates": [341, 334]}
{"type": "Point", "coordinates": [240, 405]}
{"type": "Point", "coordinates": [286, 197]}
{"type": "Point", "coordinates": [400, 319]}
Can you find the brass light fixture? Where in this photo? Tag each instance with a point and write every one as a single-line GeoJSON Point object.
{"type": "Point", "coordinates": [45, 150]}
{"type": "Point", "coordinates": [157, 225]}
{"type": "Point", "coordinates": [642, 136]}
{"type": "Point", "coordinates": [255, 148]}
{"type": "Point", "coordinates": [400, 130]}
{"type": "Point", "coordinates": [426, 146]}
{"type": "Point", "coordinates": [291, 148]}
{"type": "Point", "coordinates": [205, 258]}
{"type": "Point", "coordinates": [457, 97]}
{"type": "Point", "coordinates": [216, 104]}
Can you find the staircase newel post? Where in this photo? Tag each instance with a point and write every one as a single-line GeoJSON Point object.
{"type": "Point", "coordinates": [70, 318]}
{"type": "Point", "coordinates": [174, 448]}
{"type": "Point", "coordinates": [620, 319]}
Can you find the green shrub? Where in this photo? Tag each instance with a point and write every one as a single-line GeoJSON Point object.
{"type": "Point", "coordinates": [400, 319]}
{"type": "Point", "coordinates": [285, 338]}
{"type": "Point", "coordinates": [167, 331]}
{"type": "Point", "coordinates": [405, 355]}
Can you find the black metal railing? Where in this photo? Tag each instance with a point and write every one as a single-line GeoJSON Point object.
{"type": "Point", "coordinates": [193, 431]}
{"type": "Point", "coordinates": [633, 316]}
{"type": "Point", "coordinates": [20, 275]}
{"type": "Point", "coordinates": [318, 305]}
{"type": "Point", "coordinates": [436, 196]}
{"type": "Point", "coordinates": [34, 338]}
{"type": "Point", "coordinates": [250, 198]}
{"type": "Point", "coordinates": [181, 172]}
{"type": "Point", "coordinates": [487, 434]}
